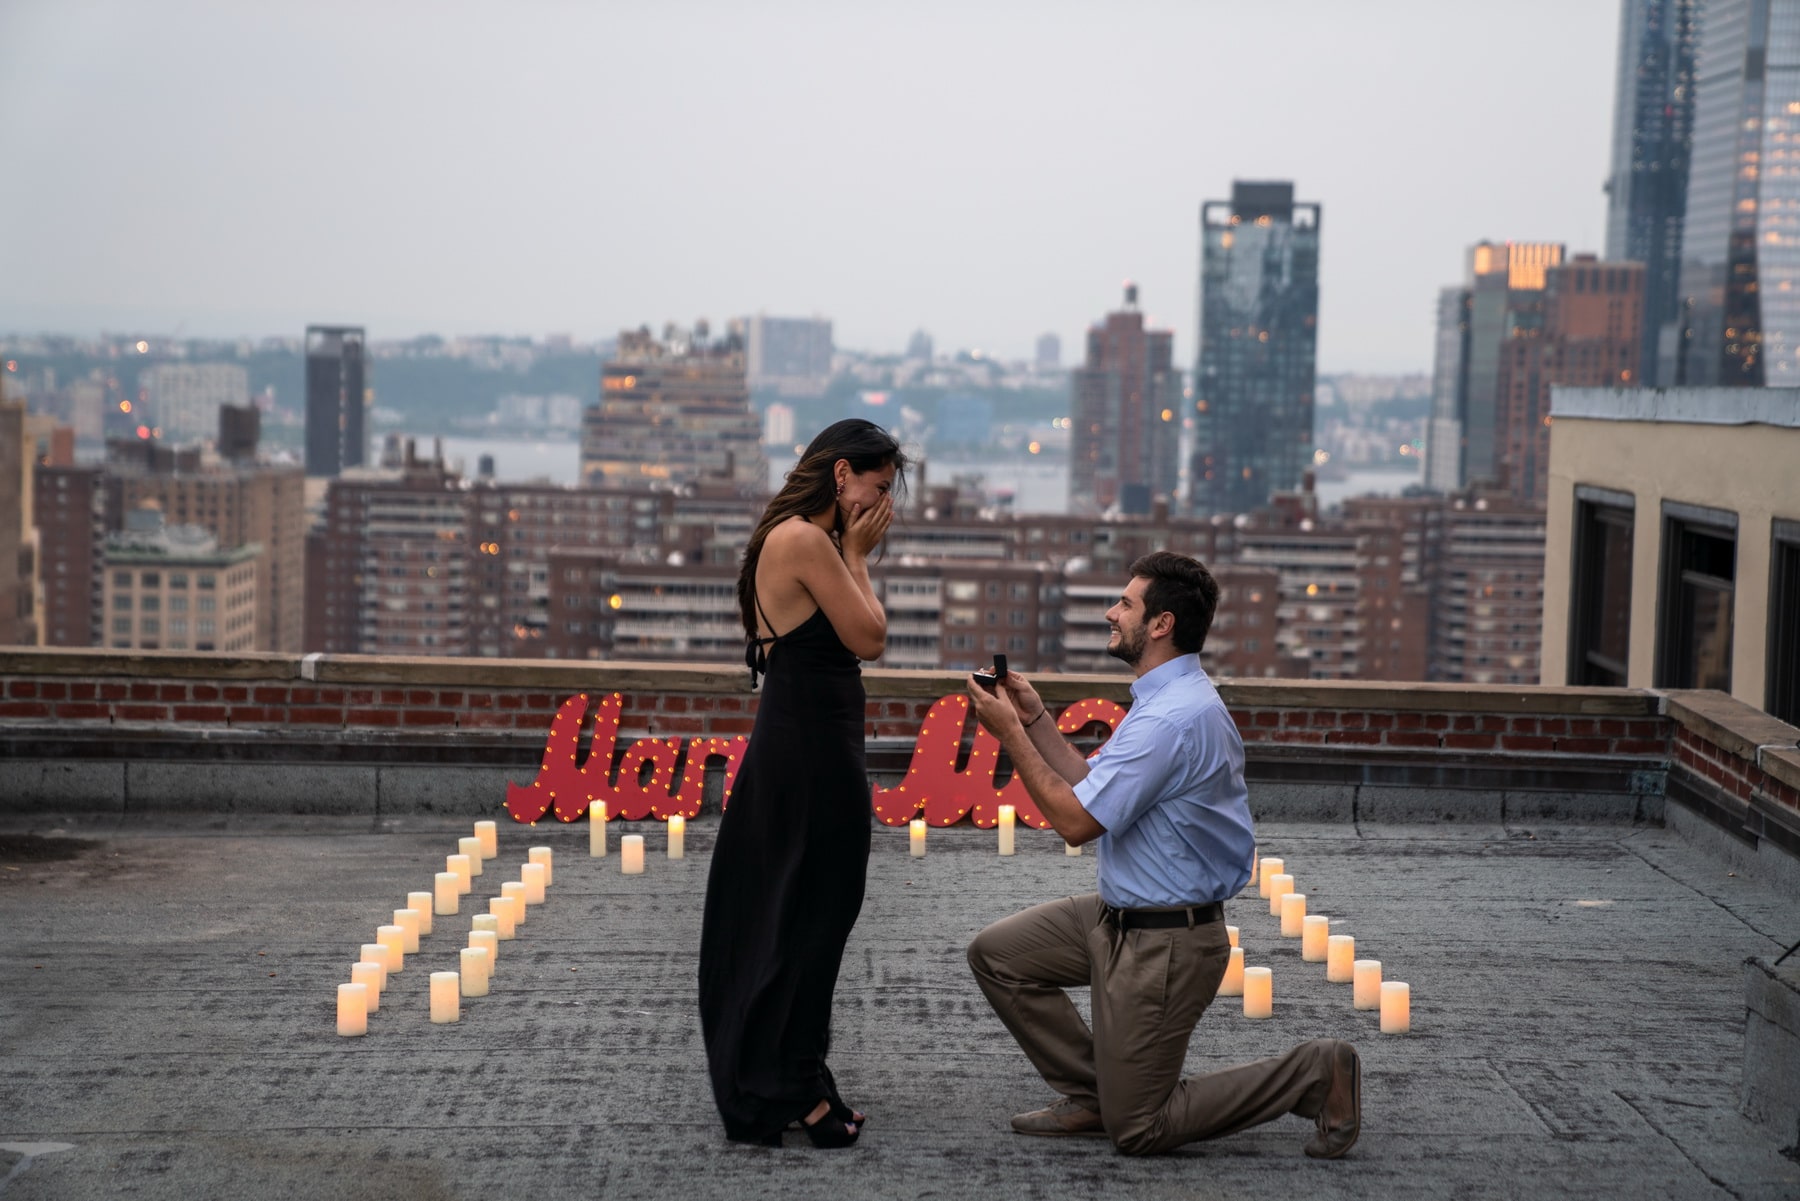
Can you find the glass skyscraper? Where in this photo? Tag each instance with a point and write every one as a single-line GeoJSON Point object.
{"type": "Point", "coordinates": [1740, 256]}
{"type": "Point", "coordinates": [1653, 126]}
{"type": "Point", "coordinates": [1259, 316]}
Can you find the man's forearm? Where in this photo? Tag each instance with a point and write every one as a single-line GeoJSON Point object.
{"type": "Point", "coordinates": [1058, 752]}
{"type": "Point", "coordinates": [1050, 791]}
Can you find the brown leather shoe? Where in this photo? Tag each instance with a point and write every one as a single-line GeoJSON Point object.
{"type": "Point", "coordinates": [1066, 1118]}
{"type": "Point", "coordinates": [1340, 1118]}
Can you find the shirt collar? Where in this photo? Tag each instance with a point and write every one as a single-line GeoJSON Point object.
{"type": "Point", "coordinates": [1158, 678]}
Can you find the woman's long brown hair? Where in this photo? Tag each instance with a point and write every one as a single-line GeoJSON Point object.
{"type": "Point", "coordinates": [810, 490]}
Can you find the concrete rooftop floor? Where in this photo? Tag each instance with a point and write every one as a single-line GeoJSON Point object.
{"type": "Point", "coordinates": [167, 1001]}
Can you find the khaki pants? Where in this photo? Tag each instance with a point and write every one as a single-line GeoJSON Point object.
{"type": "Point", "coordinates": [1149, 989]}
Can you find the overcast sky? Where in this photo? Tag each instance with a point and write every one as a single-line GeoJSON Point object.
{"type": "Point", "coordinates": [987, 171]}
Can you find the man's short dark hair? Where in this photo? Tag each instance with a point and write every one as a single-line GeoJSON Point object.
{"type": "Point", "coordinates": [1183, 588]}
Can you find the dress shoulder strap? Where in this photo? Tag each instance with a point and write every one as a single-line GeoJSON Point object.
{"type": "Point", "coordinates": [756, 649]}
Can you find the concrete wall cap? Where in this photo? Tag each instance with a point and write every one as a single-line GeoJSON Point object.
{"type": "Point", "coordinates": [1730, 724]}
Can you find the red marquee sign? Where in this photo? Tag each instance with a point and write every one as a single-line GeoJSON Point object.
{"type": "Point", "coordinates": [645, 783]}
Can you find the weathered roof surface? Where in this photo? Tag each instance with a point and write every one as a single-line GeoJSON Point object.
{"type": "Point", "coordinates": [167, 1002]}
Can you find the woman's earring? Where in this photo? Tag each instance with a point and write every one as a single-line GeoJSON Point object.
{"type": "Point", "coordinates": [840, 490]}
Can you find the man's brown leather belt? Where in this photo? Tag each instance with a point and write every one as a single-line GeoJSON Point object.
{"type": "Point", "coordinates": [1164, 919]}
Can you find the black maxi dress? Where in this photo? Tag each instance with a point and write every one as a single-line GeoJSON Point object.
{"type": "Point", "coordinates": [785, 887]}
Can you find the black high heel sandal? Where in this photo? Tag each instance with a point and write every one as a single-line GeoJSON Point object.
{"type": "Point", "coordinates": [842, 1113]}
{"type": "Point", "coordinates": [830, 1130]}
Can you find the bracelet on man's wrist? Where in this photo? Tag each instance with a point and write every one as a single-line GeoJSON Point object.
{"type": "Point", "coordinates": [1034, 721]}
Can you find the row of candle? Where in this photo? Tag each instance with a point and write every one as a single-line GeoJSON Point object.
{"type": "Point", "coordinates": [631, 846]}
{"type": "Point", "coordinates": [1004, 828]}
{"type": "Point", "coordinates": [387, 954]}
{"type": "Point", "coordinates": [1317, 945]}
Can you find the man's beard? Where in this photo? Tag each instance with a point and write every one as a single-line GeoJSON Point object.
{"type": "Point", "coordinates": [1130, 648]}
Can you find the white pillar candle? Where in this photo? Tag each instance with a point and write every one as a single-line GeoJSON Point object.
{"type": "Point", "coordinates": [488, 941]}
{"type": "Point", "coordinates": [597, 828]}
{"type": "Point", "coordinates": [502, 909]}
{"type": "Point", "coordinates": [544, 856]}
{"type": "Point", "coordinates": [422, 902]}
{"type": "Point", "coordinates": [376, 954]}
{"type": "Point", "coordinates": [471, 846]}
{"type": "Point", "coordinates": [353, 1009]}
{"type": "Point", "coordinates": [1233, 983]}
{"type": "Point", "coordinates": [1231, 932]}
{"type": "Point", "coordinates": [490, 839]}
{"type": "Point", "coordinates": [918, 838]}
{"type": "Point", "coordinates": [1259, 992]}
{"type": "Point", "coordinates": [1271, 867]}
{"type": "Point", "coordinates": [446, 1006]}
{"type": "Point", "coordinates": [1340, 952]}
{"type": "Point", "coordinates": [631, 854]}
{"type": "Point", "coordinates": [474, 972]}
{"type": "Point", "coordinates": [1315, 928]}
{"type": "Point", "coordinates": [410, 921]}
{"type": "Point", "coordinates": [677, 836]}
{"type": "Point", "coordinates": [1071, 849]}
{"type": "Point", "coordinates": [1006, 829]}
{"type": "Point", "coordinates": [1254, 864]}
{"type": "Point", "coordinates": [373, 975]}
{"type": "Point", "coordinates": [485, 921]}
{"type": "Point", "coordinates": [1279, 886]}
{"type": "Point", "coordinates": [1293, 914]}
{"type": "Point", "coordinates": [458, 865]}
{"type": "Point", "coordinates": [532, 876]}
{"type": "Point", "coordinates": [515, 889]}
{"type": "Point", "coordinates": [1396, 1007]}
{"type": "Point", "coordinates": [1365, 984]}
{"type": "Point", "coordinates": [448, 894]}
{"type": "Point", "coordinates": [394, 939]}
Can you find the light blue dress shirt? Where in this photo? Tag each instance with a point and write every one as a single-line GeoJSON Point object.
{"type": "Point", "coordinates": [1169, 788]}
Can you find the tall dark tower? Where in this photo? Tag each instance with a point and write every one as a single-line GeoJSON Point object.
{"type": "Point", "coordinates": [335, 434]}
{"type": "Point", "coordinates": [1127, 407]}
{"type": "Point", "coordinates": [1653, 136]}
{"type": "Point", "coordinates": [1259, 318]}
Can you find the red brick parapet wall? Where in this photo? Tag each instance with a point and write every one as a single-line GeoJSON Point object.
{"type": "Point", "coordinates": [1745, 754]}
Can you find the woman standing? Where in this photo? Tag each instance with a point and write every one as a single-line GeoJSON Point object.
{"type": "Point", "coordinates": [788, 869]}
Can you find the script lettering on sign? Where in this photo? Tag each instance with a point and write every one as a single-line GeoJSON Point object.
{"type": "Point", "coordinates": [946, 794]}
{"type": "Point", "coordinates": [661, 777]}
{"type": "Point", "coordinates": [645, 785]}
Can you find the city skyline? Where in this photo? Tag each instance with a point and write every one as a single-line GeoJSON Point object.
{"type": "Point", "coordinates": [542, 170]}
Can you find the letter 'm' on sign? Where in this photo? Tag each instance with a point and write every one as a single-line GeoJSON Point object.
{"type": "Point", "coordinates": [646, 781]}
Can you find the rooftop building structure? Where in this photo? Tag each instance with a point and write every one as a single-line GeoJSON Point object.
{"type": "Point", "coordinates": [1673, 555]}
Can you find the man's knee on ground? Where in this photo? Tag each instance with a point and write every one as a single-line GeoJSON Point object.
{"type": "Point", "coordinates": [979, 954]}
{"type": "Point", "coordinates": [1135, 1138]}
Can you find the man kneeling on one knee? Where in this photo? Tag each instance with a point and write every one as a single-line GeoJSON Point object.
{"type": "Point", "coordinates": [1165, 800]}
